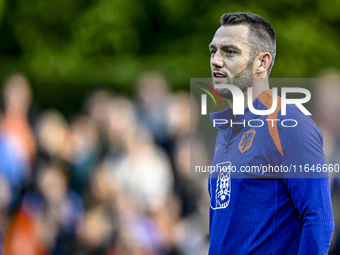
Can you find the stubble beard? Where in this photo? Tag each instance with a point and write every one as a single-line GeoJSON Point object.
{"type": "Point", "coordinates": [243, 80]}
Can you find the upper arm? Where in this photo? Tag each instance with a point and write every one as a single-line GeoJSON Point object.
{"type": "Point", "coordinates": [308, 187]}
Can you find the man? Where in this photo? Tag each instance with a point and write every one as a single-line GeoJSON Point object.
{"type": "Point", "coordinates": [262, 213]}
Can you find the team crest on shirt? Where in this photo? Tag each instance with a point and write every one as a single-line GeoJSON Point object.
{"type": "Point", "coordinates": [246, 140]}
{"type": "Point", "coordinates": [221, 197]}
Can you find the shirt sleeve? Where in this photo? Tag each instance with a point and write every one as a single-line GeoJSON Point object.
{"type": "Point", "coordinates": [302, 147]}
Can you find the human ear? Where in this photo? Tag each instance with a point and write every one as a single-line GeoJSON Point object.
{"type": "Point", "coordinates": [264, 62]}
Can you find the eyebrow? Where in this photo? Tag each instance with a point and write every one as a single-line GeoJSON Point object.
{"type": "Point", "coordinates": [225, 46]}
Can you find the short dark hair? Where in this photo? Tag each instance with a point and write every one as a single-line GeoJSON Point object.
{"type": "Point", "coordinates": [261, 33]}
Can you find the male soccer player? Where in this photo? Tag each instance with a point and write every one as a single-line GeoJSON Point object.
{"type": "Point", "coordinates": [250, 214]}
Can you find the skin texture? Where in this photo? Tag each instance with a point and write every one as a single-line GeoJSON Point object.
{"type": "Point", "coordinates": [230, 56]}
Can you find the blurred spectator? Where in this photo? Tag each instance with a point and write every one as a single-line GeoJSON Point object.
{"type": "Point", "coordinates": [93, 233]}
{"type": "Point", "coordinates": [17, 143]}
{"type": "Point", "coordinates": [153, 98]}
{"type": "Point", "coordinates": [17, 100]}
{"type": "Point", "coordinates": [84, 139]}
{"type": "Point", "coordinates": [145, 170]}
{"type": "Point", "coordinates": [327, 116]}
{"type": "Point", "coordinates": [53, 135]}
{"type": "Point", "coordinates": [24, 236]}
{"type": "Point", "coordinates": [95, 107]}
{"type": "Point", "coordinates": [178, 113]}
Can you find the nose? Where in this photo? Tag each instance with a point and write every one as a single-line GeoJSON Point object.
{"type": "Point", "coordinates": [217, 60]}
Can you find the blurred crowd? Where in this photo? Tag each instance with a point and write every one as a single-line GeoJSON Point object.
{"type": "Point", "coordinates": [113, 179]}
{"type": "Point", "coordinates": [326, 114]}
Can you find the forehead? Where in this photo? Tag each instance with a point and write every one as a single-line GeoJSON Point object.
{"type": "Point", "coordinates": [237, 35]}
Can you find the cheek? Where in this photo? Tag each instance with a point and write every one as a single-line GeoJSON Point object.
{"type": "Point", "coordinates": [236, 67]}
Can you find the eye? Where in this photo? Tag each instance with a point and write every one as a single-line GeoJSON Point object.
{"type": "Point", "coordinates": [231, 52]}
{"type": "Point", "coordinates": [212, 51]}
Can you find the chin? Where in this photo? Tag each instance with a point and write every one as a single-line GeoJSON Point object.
{"type": "Point", "coordinates": [225, 93]}
{"type": "Point", "coordinates": [221, 81]}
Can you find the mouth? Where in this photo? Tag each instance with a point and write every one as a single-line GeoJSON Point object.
{"type": "Point", "coordinates": [219, 78]}
{"type": "Point", "coordinates": [219, 75]}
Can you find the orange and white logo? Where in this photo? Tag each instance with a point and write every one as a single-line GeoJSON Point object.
{"type": "Point", "coordinates": [246, 140]}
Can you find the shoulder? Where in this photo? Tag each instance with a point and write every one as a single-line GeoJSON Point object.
{"type": "Point", "coordinates": [294, 130]}
{"type": "Point", "coordinates": [293, 112]}
{"type": "Point", "coordinates": [295, 123]}
{"type": "Point", "coordinates": [299, 134]}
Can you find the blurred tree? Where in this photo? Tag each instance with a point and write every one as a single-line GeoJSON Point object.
{"type": "Point", "coordinates": [68, 47]}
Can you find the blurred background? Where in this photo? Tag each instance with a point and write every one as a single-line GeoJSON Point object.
{"type": "Point", "coordinates": [95, 118]}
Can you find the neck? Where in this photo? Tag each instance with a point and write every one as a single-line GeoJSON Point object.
{"type": "Point", "coordinates": [259, 86]}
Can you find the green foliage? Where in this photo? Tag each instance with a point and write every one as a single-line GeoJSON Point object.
{"type": "Point", "coordinates": [69, 47]}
